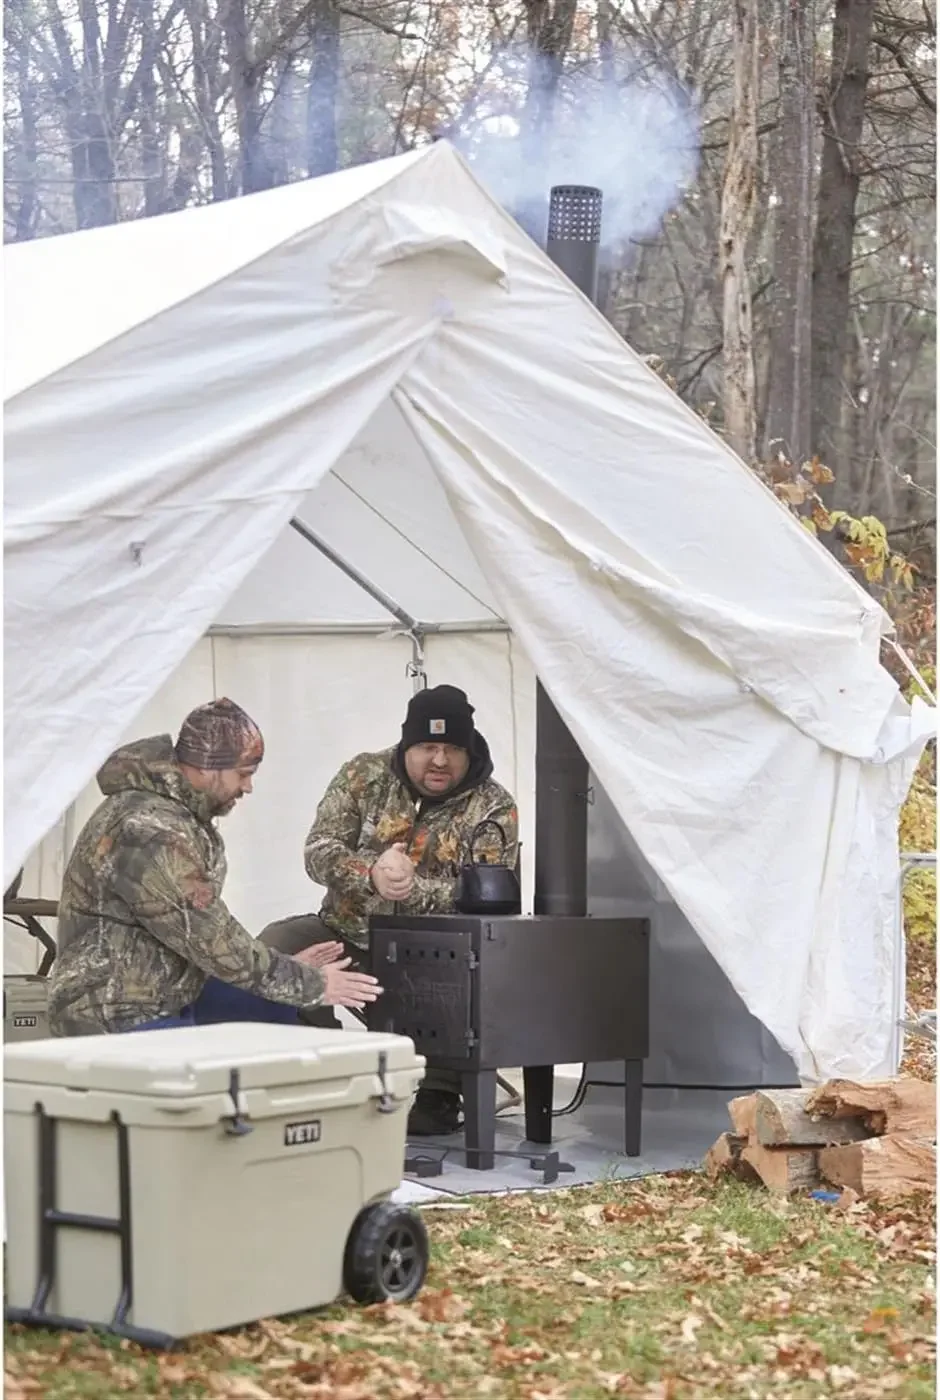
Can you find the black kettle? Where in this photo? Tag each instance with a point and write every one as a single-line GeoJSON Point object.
{"type": "Point", "coordinates": [488, 889]}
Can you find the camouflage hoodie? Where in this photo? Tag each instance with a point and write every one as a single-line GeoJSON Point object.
{"type": "Point", "coordinates": [141, 916]}
{"type": "Point", "coordinates": [370, 805]}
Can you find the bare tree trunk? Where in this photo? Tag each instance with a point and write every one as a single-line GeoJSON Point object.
{"type": "Point", "coordinates": [207, 88]}
{"type": "Point", "coordinates": [605, 40]}
{"type": "Point", "coordinates": [277, 127]}
{"type": "Point", "coordinates": [322, 144]}
{"type": "Point", "coordinates": [789, 420]}
{"type": "Point", "coordinates": [98, 198]}
{"type": "Point", "coordinates": [245, 76]}
{"type": "Point", "coordinates": [26, 194]}
{"type": "Point", "coordinates": [737, 217]}
{"type": "Point", "coordinates": [151, 149]}
{"type": "Point", "coordinates": [549, 27]}
{"type": "Point", "coordinates": [843, 121]}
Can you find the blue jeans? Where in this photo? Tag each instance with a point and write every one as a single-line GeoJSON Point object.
{"type": "Point", "coordinates": [219, 1002]}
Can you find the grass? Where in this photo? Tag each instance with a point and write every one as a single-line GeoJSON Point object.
{"type": "Point", "coordinates": [665, 1288]}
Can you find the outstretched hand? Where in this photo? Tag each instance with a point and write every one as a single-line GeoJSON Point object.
{"type": "Point", "coordinates": [352, 989]}
{"type": "Point", "coordinates": [319, 954]}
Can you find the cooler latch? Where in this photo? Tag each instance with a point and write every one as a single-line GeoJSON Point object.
{"type": "Point", "coordinates": [386, 1103]}
{"type": "Point", "coordinates": [237, 1125]}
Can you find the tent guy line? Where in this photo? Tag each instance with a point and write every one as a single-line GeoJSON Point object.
{"type": "Point", "coordinates": [413, 544]}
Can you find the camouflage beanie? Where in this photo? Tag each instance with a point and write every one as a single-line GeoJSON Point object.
{"type": "Point", "coordinates": [219, 735]}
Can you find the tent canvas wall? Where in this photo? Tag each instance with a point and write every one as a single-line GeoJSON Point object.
{"type": "Point", "coordinates": [385, 353]}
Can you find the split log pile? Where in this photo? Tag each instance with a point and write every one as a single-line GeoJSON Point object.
{"type": "Point", "coordinates": [875, 1139]}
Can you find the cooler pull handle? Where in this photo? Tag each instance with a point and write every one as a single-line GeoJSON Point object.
{"type": "Point", "coordinates": [386, 1103]}
{"type": "Point", "coordinates": [237, 1125]}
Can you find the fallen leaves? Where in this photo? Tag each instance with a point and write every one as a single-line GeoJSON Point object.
{"type": "Point", "coordinates": [690, 1326]}
{"type": "Point", "coordinates": [441, 1306]}
{"type": "Point", "coordinates": [659, 1289]}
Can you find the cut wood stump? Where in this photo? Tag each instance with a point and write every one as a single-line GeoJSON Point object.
{"type": "Point", "coordinates": [907, 1106]}
{"type": "Point", "coordinates": [743, 1111]}
{"type": "Point", "coordinates": [896, 1165]}
{"type": "Point", "coordinates": [783, 1169]}
{"type": "Point", "coordinates": [781, 1120]}
{"type": "Point", "coordinates": [724, 1159]}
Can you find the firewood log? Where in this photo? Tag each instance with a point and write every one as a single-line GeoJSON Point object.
{"type": "Point", "coordinates": [781, 1120]}
{"type": "Point", "coordinates": [742, 1112]}
{"type": "Point", "coordinates": [783, 1169]}
{"type": "Point", "coordinates": [724, 1159]}
{"type": "Point", "coordinates": [906, 1106]}
{"type": "Point", "coordinates": [882, 1166]}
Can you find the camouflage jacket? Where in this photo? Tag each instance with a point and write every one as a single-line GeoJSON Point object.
{"type": "Point", "coordinates": [370, 806]}
{"type": "Point", "coordinates": [141, 919]}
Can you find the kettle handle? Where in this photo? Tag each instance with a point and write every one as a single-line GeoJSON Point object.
{"type": "Point", "coordinates": [480, 826]}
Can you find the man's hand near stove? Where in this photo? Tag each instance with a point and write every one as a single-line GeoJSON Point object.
{"type": "Point", "coordinates": [393, 874]}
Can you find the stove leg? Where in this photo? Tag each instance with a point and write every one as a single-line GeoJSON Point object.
{"type": "Point", "coordinates": [479, 1114]}
{"type": "Point", "coordinates": [539, 1084]}
{"type": "Point", "coordinates": [633, 1106]}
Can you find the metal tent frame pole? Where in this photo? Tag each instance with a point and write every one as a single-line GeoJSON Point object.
{"type": "Point", "coordinates": [415, 630]}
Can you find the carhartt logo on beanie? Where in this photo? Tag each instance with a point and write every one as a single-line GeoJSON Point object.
{"type": "Point", "coordinates": [442, 715]}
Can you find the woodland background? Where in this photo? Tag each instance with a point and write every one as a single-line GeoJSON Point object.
{"type": "Point", "coordinates": [787, 293]}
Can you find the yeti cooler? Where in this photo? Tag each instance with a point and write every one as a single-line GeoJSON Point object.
{"type": "Point", "coordinates": [25, 1008]}
{"type": "Point", "coordinates": [172, 1182]}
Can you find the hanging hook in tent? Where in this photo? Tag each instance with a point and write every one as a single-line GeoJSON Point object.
{"type": "Point", "coordinates": [416, 668]}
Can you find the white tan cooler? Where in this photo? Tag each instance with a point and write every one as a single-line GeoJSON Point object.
{"type": "Point", "coordinates": [172, 1182]}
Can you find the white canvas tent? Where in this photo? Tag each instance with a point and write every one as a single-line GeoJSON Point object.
{"type": "Point", "coordinates": [384, 354]}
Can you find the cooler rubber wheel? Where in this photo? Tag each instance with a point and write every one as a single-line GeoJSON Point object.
{"type": "Point", "coordinates": [386, 1255]}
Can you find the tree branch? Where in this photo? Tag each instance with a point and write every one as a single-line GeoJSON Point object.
{"type": "Point", "coordinates": [897, 54]}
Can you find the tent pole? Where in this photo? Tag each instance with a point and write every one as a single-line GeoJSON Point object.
{"type": "Point", "coordinates": [411, 625]}
{"type": "Point", "coordinates": [562, 788]}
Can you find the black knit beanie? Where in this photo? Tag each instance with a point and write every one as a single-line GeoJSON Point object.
{"type": "Point", "coordinates": [442, 715]}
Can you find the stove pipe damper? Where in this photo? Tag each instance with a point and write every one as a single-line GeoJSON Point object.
{"type": "Point", "coordinates": [561, 770]}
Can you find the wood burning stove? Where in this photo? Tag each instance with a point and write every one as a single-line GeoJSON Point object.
{"type": "Point", "coordinates": [477, 994]}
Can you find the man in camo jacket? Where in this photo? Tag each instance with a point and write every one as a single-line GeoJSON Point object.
{"type": "Point", "coordinates": [390, 836]}
{"type": "Point", "coordinates": [144, 937]}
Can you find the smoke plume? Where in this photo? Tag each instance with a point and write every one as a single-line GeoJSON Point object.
{"type": "Point", "coordinates": [635, 137]}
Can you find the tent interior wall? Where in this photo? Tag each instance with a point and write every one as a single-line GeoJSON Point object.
{"type": "Point", "coordinates": [322, 697]}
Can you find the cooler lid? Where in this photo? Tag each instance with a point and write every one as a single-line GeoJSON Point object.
{"type": "Point", "coordinates": [179, 1063]}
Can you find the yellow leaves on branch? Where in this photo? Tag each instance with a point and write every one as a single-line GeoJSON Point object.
{"type": "Point", "coordinates": [868, 549]}
{"type": "Point", "coordinates": [865, 543]}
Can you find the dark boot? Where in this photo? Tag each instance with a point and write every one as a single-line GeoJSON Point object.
{"type": "Point", "coordinates": [435, 1113]}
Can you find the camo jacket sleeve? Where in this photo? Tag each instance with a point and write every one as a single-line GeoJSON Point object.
{"type": "Point", "coordinates": [437, 895]}
{"type": "Point", "coordinates": [169, 891]}
{"type": "Point", "coordinates": [331, 855]}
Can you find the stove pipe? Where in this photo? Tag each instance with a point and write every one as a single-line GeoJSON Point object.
{"type": "Point", "coordinates": [561, 770]}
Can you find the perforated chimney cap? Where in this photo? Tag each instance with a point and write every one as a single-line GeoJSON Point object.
{"type": "Point", "coordinates": [574, 214]}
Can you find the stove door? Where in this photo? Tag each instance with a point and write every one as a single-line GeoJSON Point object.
{"type": "Point", "coordinates": [428, 977]}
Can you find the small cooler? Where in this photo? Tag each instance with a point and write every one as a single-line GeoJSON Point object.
{"type": "Point", "coordinates": [180, 1181]}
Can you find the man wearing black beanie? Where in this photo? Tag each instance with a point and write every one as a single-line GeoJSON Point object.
{"type": "Point", "coordinates": [390, 836]}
